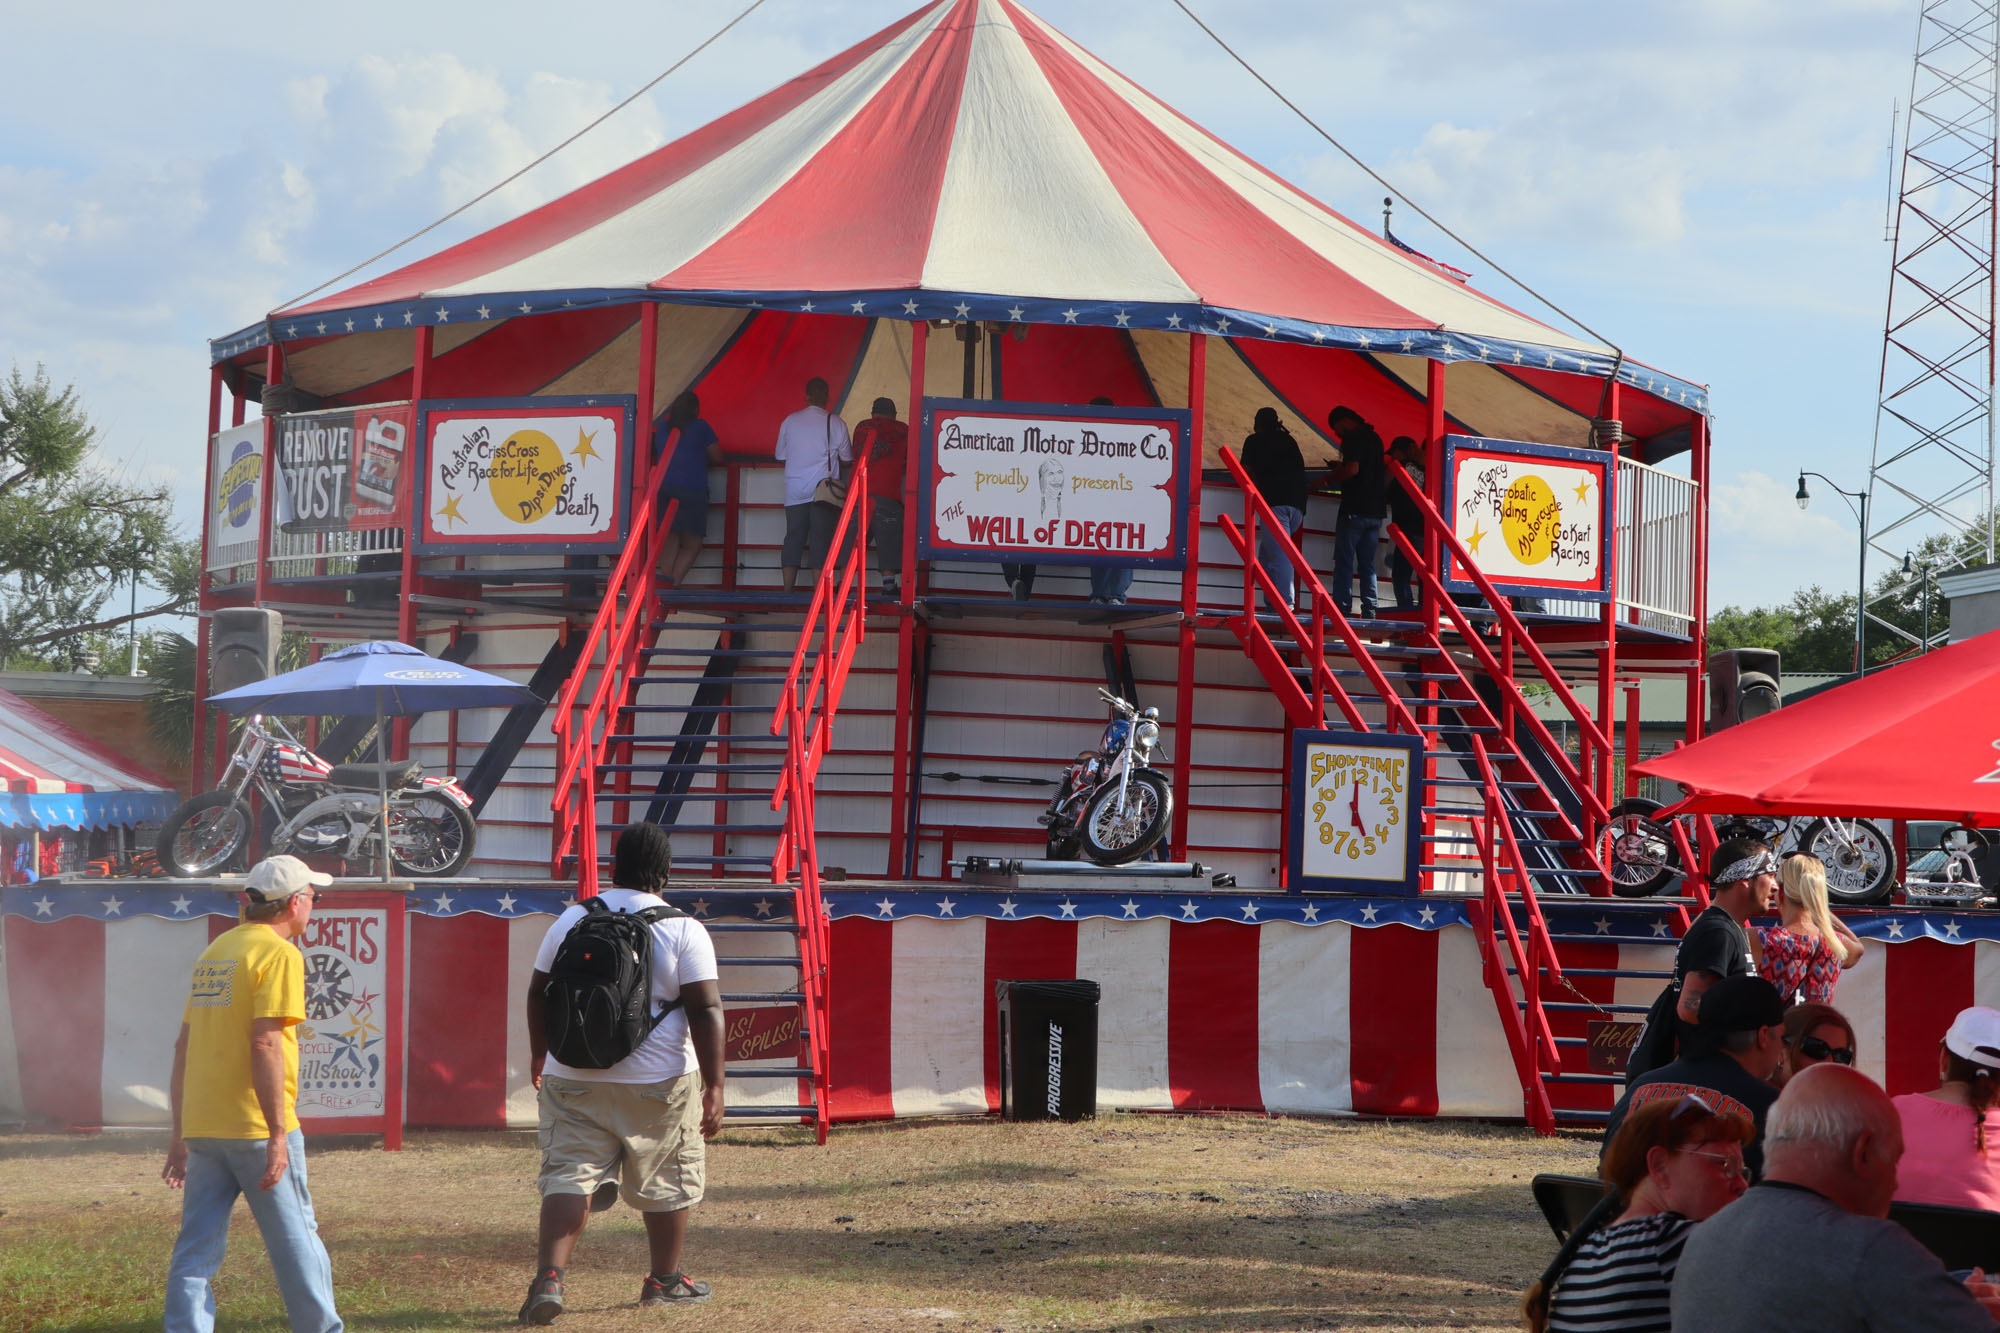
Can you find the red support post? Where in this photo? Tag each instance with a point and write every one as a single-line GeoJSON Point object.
{"type": "Point", "coordinates": [1698, 632]}
{"type": "Point", "coordinates": [902, 764]}
{"type": "Point", "coordinates": [1632, 695]}
{"type": "Point", "coordinates": [406, 484]}
{"type": "Point", "coordinates": [274, 371]}
{"type": "Point", "coordinates": [198, 764]}
{"type": "Point", "coordinates": [1433, 547]}
{"type": "Point", "coordinates": [1190, 594]}
{"type": "Point", "coordinates": [1607, 660]}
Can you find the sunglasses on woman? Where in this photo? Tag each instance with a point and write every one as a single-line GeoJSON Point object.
{"type": "Point", "coordinates": [1815, 1049]}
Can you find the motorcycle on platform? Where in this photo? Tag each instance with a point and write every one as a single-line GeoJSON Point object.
{"type": "Point", "coordinates": [313, 808]}
{"type": "Point", "coordinates": [1113, 806]}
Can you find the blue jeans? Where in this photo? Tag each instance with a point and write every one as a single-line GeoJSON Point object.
{"type": "Point", "coordinates": [1108, 583]}
{"type": "Point", "coordinates": [1275, 562]}
{"type": "Point", "coordinates": [1354, 542]}
{"type": "Point", "coordinates": [217, 1171]}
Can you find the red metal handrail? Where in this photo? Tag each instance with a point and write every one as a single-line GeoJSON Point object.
{"type": "Point", "coordinates": [1528, 1032]}
{"type": "Point", "coordinates": [618, 632]}
{"type": "Point", "coordinates": [837, 616]}
{"type": "Point", "coordinates": [1590, 735]}
{"type": "Point", "coordinates": [1322, 610]}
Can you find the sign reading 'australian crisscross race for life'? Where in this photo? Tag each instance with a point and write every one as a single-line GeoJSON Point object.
{"type": "Point", "coordinates": [502, 475]}
{"type": "Point", "coordinates": [1045, 482]}
{"type": "Point", "coordinates": [1531, 516]}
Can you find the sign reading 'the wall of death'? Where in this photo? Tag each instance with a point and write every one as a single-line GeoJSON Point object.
{"type": "Point", "coordinates": [1067, 485]}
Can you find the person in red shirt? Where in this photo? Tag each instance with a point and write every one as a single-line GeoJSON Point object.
{"type": "Point", "coordinates": [884, 442]}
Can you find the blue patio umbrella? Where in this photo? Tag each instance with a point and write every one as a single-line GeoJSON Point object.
{"type": "Point", "coordinates": [383, 678]}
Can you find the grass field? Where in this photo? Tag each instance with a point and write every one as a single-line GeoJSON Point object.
{"type": "Point", "coordinates": [1146, 1224]}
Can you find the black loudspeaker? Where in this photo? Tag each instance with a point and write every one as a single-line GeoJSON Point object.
{"type": "Point", "coordinates": [1742, 684]}
{"type": "Point", "coordinates": [242, 646]}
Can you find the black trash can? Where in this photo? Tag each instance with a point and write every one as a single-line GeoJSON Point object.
{"type": "Point", "coordinates": [1048, 1049]}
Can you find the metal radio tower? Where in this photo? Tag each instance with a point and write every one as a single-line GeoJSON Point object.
{"type": "Point", "coordinates": [1933, 463]}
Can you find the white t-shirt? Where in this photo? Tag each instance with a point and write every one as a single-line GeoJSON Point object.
{"type": "Point", "coordinates": [808, 443]}
{"type": "Point", "coordinates": [682, 955]}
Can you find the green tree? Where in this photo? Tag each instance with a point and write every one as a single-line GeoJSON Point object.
{"type": "Point", "coordinates": [1812, 632]}
{"type": "Point", "coordinates": [70, 533]}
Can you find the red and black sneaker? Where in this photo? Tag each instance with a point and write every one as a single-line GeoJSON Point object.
{"type": "Point", "coordinates": [545, 1298]}
{"type": "Point", "coordinates": [674, 1289]}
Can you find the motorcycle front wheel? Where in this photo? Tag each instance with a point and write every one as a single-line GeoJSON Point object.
{"type": "Point", "coordinates": [204, 836]}
{"type": "Point", "coordinates": [1111, 838]}
{"type": "Point", "coordinates": [1638, 850]}
{"type": "Point", "coordinates": [430, 835]}
{"type": "Point", "coordinates": [1860, 861]}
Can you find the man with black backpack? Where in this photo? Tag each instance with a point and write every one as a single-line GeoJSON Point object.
{"type": "Point", "coordinates": [623, 1004]}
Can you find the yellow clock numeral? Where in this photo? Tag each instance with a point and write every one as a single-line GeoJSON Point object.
{"type": "Point", "coordinates": [1326, 833]}
{"type": "Point", "coordinates": [1393, 815]}
{"type": "Point", "coordinates": [1319, 809]}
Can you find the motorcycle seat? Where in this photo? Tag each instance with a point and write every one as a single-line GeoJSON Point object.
{"type": "Point", "coordinates": [369, 777]}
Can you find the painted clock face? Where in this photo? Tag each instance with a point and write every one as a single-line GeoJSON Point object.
{"type": "Point", "coordinates": [1358, 811]}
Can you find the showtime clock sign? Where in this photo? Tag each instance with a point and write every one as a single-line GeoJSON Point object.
{"type": "Point", "coordinates": [1357, 803]}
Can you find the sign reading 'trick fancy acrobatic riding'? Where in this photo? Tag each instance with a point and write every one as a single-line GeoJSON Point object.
{"type": "Point", "coordinates": [503, 475]}
{"type": "Point", "coordinates": [1047, 482]}
{"type": "Point", "coordinates": [1532, 516]}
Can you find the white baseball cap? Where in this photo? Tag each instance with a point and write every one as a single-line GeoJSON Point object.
{"type": "Point", "coordinates": [279, 877]}
{"type": "Point", "coordinates": [1975, 1036]}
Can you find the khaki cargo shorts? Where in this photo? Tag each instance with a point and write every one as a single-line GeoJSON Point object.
{"type": "Point", "coordinates": [645, 1135]}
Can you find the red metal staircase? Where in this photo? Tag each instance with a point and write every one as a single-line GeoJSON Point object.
{"type": "Point", "coordinates": [1508, 804]}
{"type": "Point", "coordinates": [604, 741]}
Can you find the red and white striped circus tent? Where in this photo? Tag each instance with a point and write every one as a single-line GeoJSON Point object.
{"type": "Point", "coordinates": [52, 776]}
{"type": "Point", "coordinates": [966, 163]}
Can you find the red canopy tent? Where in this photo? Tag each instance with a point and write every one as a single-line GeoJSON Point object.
{"type": "Point", "coordinates": [1916, 741]}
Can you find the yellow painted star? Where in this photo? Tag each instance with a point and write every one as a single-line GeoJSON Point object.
{"type": "Point", "coordinates": [450, 510]}
{"type": "Point", "coordinates": [1472, 542]}
{"type": "Point", "coordinates": [1583, 490]}
{"type": "Point", "coordinates": [583, 449]}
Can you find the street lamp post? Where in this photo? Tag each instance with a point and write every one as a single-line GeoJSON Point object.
{"type": "Point", "coordinates": [1858, 501]}
{"type": "Point", "coordinates": [1924, 592]}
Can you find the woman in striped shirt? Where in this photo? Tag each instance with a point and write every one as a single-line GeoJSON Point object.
{"type": "Point", "coordinates": [1672, 1164]}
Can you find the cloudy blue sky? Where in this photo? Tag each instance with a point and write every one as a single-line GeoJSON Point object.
{"type": "Point", "coordinates": [1702, 180]}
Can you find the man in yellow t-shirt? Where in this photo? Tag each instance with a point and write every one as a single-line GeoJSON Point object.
{"type": "Point", "coordinates": [235, 1088]}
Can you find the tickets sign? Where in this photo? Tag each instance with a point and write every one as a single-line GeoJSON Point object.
{"type": "Point", "coordinates": [235, 494]}
{"type": "Point", "coordinates": [1069, 485]}
{"type": "Point", "coordinates": [1532, 516]}
{"type": "Point", "coordinates": [339, 471]}
{"type": "Point", "coordinates": [501, 476]}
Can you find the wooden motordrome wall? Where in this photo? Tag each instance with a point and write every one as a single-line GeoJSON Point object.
{"type": "Point", "coordinates": [1321, 1006]}
{"type": "Point", "coordinates": [1016, 701]}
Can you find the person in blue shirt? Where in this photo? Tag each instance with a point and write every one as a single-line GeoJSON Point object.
{"type": "Point", "coordinates": [685, 479]}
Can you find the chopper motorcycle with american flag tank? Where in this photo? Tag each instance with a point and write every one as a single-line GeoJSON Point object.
{"type": "Point", "coordinates": [313, 808]}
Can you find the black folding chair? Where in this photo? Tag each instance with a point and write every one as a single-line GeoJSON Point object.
{"type": "Point", "coordinates": [1959, 1237]}
{"type": "Point", "coordinates": [1565, 1200]}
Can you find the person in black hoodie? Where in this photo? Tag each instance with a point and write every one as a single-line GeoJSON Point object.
{"type": "Point", "coordinates": [1278, 470]}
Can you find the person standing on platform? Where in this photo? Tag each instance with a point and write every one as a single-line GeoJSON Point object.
{"type": "Point", "coordinates": [1409, 521]}
{"type": "Point", "coordinates": [813, 445]}
{"type": "Point", "coordinates": [1277, 470]}
{"type": "Point", "coordinates": [234, 1096]}
{"type": "Point", "coordinates": [1109, 583]}
{"type": "Point", "coordinates": [885, 443]}
{"type": "Point", "coordinates": [639, 1120]}
{"type": "Point", "coordinates": [1743, 879]}
{"type": "Point", "coordinates": [1364, 508]}
{"type": "Point", "coordinates": [685, 480]}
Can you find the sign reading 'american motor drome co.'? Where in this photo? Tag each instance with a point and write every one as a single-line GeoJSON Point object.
{"type": "Point", "coordinates": [1040, 481]}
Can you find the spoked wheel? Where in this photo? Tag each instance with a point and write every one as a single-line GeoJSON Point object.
{"type": "Point", "coordinates": [1860, 863]}
{"type": "Point", "coordinates": [204, 836]}
{"type": "Point", "coordinates": [430, 835]}
{"type": "Point", "coordinates": [1638, 850]}
{"type": "Point", "coordinates": [1112, 837]}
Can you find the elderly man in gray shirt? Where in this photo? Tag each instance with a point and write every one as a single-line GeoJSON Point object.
{"type": "Point", "coordinates": [1810, 1249]}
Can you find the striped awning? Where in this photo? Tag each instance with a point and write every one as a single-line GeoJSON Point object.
{"type": "Point", "coordinates": [51, 776]}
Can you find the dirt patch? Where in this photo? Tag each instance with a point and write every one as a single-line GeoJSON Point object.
{"type": "Point", "coordinates": [1143, 1224]}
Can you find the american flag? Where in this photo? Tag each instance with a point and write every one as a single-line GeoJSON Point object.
{"type": "Point", "coordinates": [292, 763]}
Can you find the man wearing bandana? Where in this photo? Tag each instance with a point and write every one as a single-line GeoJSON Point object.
{"type": "Point", "coordinates": [1743, 882]}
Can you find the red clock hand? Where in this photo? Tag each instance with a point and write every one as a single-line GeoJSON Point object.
{"type": "Point", "coordinates": [1354, 807]}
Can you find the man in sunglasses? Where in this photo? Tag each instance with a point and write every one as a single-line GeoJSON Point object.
{"type": "Point", "coordinates": [234, 1095]}
{"type": "Point", "coordinates": [1729, 1062]}
{"type": "Point", "coordinates": [1743, 882]}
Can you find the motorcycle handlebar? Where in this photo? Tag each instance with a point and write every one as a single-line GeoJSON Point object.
{"type": "Point", "coordinates": [1116, 702]}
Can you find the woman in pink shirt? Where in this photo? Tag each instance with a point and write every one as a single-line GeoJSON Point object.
{"type": "Point", "coordinates": [1951, 1137]}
